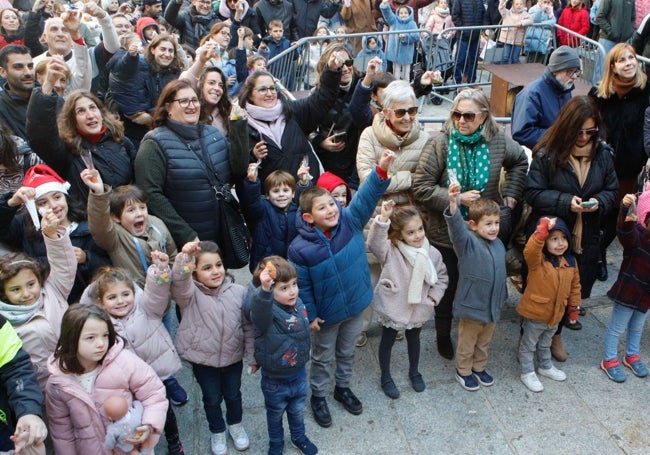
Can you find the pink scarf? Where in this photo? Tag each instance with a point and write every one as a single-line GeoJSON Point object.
{"type": "Point", "coordinates": [268, 121]}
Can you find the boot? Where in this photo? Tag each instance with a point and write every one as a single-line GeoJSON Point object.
{"type": "Point", "coordinates": [557, 349]}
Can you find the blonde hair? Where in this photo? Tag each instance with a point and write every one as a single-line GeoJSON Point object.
{"type": "Point", "coordinates": [606, 84]}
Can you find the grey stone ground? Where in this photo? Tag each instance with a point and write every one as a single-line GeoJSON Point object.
{"type": "Point", "coordinates": [587, 414]}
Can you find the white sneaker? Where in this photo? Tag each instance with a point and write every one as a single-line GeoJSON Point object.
{"type": "Point", "coordinates": [553, 373]}
{"type": "Point", "coordinates": [530, 380]}
{"type": "Point", "coordinates": [218, 443]}
{"type": "Point", "coordinates": [239, 436]}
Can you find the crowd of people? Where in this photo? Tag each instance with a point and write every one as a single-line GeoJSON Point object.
{"type": "Point", "coordinates": [146, 149]}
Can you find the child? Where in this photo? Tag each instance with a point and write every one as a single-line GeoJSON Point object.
{"type": "Point", "coordinates": [316, 49]}
{"type": "Point", "coordinates": [234, 69]}
{"type": "Point", "coordinates": [272, 219]}
{"type": "Point", "coordinates": [147, 29]}
{"type": "Point", "coordinates": [336, 186]}
{"type": "Point", "coordinates": [513, 37]}
{"type": "Point", "coordinates": [124, 421]}
{"type": "Point", "coordinates": [121, 224]}
{"type": "Point", "coordinates": [553, 285]}
{"type": "Point", "coordinates": [439, 19]}
{"type": "Point", "coordinates": [90, 365]}
{"type": "Point", "coordinates": [334, 281]}
{"type": "Point", "coordinates": [478, 301]}
{"type": "Point", "coordinates": [33, 301]}
{"type": "Point", "coordinates": [47, 189]}
{"type": "Point", "coordinates": [281, 349]}
{"type": "Point", "coordinates": [137, 318]}
{"type": "Point", "coordinates": [212, 336]}
{"type": "Point", "coordinates": [397, 239]}
{"type": "Point", "coordinates": [371, 46]}
{"type": "Point", "coordinates": [274, 42]}
{"type": "Point", "coordinates": [630, 292]}
{"type": "Point", "coordinates": [400, 47]}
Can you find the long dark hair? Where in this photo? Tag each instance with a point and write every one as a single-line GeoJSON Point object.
{"type": "Point", "coordinates": [223, 105]}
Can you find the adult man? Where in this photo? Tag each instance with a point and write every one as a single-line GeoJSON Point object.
{"type": "Point", "coordinates": [267, 10]}
{"type": "Point", "coordinates": [539, 103]}
{"type": "Point", "coordinates": [616, 21]}
{"type": "Point", "coordinates": [121, 24]}
{"type": "Point", "coordinates": [151, 8]}
{"type": "Point", "coordinates": [17, 67]}
{"type": "Point", "coordinates": [467, 13]}
{"type": "Point", "coordinates": [192, 23]}
{"type": "Point", "coordinates": [307, 12]}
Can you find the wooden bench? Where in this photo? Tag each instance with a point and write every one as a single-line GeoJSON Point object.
{"type": "Point", "coordinates": [505, 77]}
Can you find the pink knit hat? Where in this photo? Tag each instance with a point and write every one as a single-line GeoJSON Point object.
{"type": "Point", "coordinates": [43, 179]}
{"type": "Point", "coordinates": [643, 205]}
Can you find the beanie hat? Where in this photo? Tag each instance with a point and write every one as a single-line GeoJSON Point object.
{"type": "Point", "coordinates": [560, 225]}
{"type": "Point", "coordinates": [643, 205]}
{"type": "Point", "coordinates": [43, 179]}
{"type": "Point", "coordinates": [143, 23]}
{"type": "Point", "coordinates": [150, 2]}
{"type": "Point", "coordinates": [564, 58]}
{"type": "Point", "coordinates": [329, 181]}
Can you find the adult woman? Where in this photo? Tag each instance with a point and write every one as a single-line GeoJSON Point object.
{"type": "Point", "coordinates": [220, 36]}
{"type": "Point", "coordinates": [84, 128]}
{"type": "Point", "coordinates": [12, 28]}
{"type": "Point", "coordinates": [337, 137]}
{"type": "Point", "coordinates": [171, 166]}
{"type": "Point", "coordinates": [136, 83]}
{"type": "Point", "coordinates": [278, 127]}
{"type": "Point", "coordinates": [622, 98]}
{"type": "Point", "coordinates": [471, 141]}
{"type": "Point", "coordinates": [242, 15]}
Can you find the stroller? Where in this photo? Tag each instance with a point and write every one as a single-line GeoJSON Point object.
{"type": "Point", "coordinates": [437, 56]}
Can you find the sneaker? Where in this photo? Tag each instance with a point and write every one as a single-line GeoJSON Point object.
{"type": "Point", "coordinates": [577, 325]}
{"type": "Point", "coordinates": [417, 382]}
{"type": "Point", "coordinates": [399, 336]}
{"type": "Point", "coordinates": [218, 443]}
{"type": "Point", "coordinates": [467, 382]}
{"type": "Point", "coordinates": [634, 363]}
{"type": "Point", "coordinates": [483, 377]}
{"type": "Point", "coordinates": [613, 370]}
{"type": "Point", "coordinates": [275, 448]}
{"type": "Point", "coordinates": [552, 373]}
{"type": "Point", "coordinates": [390, 389]}
{"type": "Point", "coordinates": [239, 436]}
{"type": "Point", "coordinates": [305, 446]}
{"type": "Point", "coordinates": [176, 394]}
{"type": "Point", "coordinates": [348, 399]}
{"type": "Point", "coordinates": [363, 340]}
{"type": "Point", "coordinates": [581, 310]}
{"type": "Point", "coordinates": [530, 380]}
{"type": "Point", "coordinates": [321, 411]}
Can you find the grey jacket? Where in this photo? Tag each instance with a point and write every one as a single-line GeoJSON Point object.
{"type": "Point", "coordinates": [616, 19]}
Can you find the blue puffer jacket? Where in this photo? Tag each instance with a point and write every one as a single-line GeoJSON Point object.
{"type": "Point", "coordinates": [333, 273]}
{"type": "Point", "coordinates": [365, 54]}
{"type": "Point", "coordinates": [272, 228]}
{"type": "Point", "coordinates": [469, 13]}
{"type": "Point", "coordinates": [400, 50]}
{"type": "Point", "coordinates": [191, 25]}
{"type": "Point", "coordinates": [537, 39]}
{"type": "Point", "coordinates": [126, 74]}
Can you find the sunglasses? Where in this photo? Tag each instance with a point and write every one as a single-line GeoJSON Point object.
{"type": "Point", "coordinates": [588, 132]}
{"type": "Point", "coordinates": [349, 62]}
{"type": "Point", "coordinates": [411, 111]}
{"type": "Point", "coordinates": [468, 116]}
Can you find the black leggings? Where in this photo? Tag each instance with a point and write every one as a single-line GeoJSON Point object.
{"type": "Point", "coordinates": [386, 346]}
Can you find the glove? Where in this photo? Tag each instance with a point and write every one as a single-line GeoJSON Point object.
{"type": "Point", "coordinates": [543, 227]}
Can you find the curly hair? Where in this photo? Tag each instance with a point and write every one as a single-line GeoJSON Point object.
{"type": "Point", "coordinates": [175, 66]}
{"type": "Point", "coordinates": [400, 217]}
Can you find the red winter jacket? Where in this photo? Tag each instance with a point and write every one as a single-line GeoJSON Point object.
{"type": "Point", "coordinates": [575, 19]}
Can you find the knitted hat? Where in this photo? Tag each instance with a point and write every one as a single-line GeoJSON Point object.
{"type": "Point", "coordinates": [330, 181]}
{"type": "Point", "coordinates": [643, 205]}
{"type": "Point", "coordinates": [43, 179]}
{"type": "Point", "coordinates": [564, 58]}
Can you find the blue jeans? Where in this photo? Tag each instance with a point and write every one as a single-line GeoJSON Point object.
{"type": "Point", "coordinates": [510, 54]}
{"type": "Point", "coordinates": [466, 60]}
{"type": "Point", "coordinates": [285, 395]}
{"type": "Point", "coordinates": [624, 318]}
{"type": "Point", "coordinates": [220, 384]}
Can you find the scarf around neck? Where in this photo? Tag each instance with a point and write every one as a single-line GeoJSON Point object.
{"type": "Point", "coordinates": [423, 269]}
{"type": "Point", "coordinates": [581, 164]}
{"type": "Point", "coordinates": [268, 121]}
{"type": "Point", "coordinates": [622, 87]}
{"type": "Point", "coordinates": [469, 158]}
{"type": "Point", "coordinates": [18, 314]}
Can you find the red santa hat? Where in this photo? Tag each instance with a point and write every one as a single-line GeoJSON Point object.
{"type": "Point", "coordinates": [43, 179]}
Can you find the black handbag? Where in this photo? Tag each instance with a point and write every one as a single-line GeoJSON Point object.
{"type": "Point", "coordinates": [233, 236]}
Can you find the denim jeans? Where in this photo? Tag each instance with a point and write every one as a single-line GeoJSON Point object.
{"type": "Point", "coordinates": [466, 60]}
{"type": "Point", "coordinates": [280, 396]}
{"type": "Point", "coordinates": [220, 384]}
{"type": "Point", "coordinates": [511, 54]}
{"type": "Point", "coordinates": [624, 318]}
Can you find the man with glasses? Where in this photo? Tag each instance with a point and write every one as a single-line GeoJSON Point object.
{"type": "Point", "coordinates": [192, 23]}
{"type": "Point", "coordinates": [539, 103]}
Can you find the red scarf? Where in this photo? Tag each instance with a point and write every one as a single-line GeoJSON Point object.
{"type": "Point", "coordinates": [93, 138]}
{"type": "Point", "coordinates": [623, 87]}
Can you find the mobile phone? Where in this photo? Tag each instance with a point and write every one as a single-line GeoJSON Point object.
{"type": "Point", "coordinates": [588, 204]}
{"type": "Point", "coordinates": [341, 136]}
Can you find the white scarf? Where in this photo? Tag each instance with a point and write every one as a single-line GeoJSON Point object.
{"type": "Point", "coordinates": [268, 121]}
{"type": "Point", "coordinates": [18, 314]}
{"type": "Point", "coordinates": [423, 270]}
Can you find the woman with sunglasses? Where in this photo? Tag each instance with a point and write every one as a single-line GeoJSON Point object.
{"type": "Point", "coordinates": [171, 165]}
{"type": "Point", "coordinates": [473, 150]}
{"type": "Point", "coordinates": [278, 127]}
{"type": "Point", "coordinates": [572, 176]}
{"type": "Point", "coordinates": [622, 97]}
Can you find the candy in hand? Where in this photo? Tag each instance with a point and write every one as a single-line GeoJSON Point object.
{"type": "Point", "coordinates": [270, 268]}
{"type": "Point", "coordinates": [389, 204]}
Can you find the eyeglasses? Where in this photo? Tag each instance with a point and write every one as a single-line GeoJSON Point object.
{"type": "Point", "coordinates": [589, 132]}
{"type": "Point", "coordinates": [573, 73]}
{"type": "Point", "coordinates": [468, 116]}
{"type": "Point", "coordinates": [269, 89]}
{"type": "Point", "coordinates": [185, 102]}
{"type": "Point", "coordinates": [411, 111]}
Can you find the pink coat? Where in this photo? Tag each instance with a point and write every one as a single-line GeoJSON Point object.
{"type": "Point", "coordinates": [76, 419]}
{"type": "Point", "coordinates": [513, 35]}
{"type": "Point", "coordinates": [213, 330]}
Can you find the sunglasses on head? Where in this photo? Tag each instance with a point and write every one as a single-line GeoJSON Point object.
{"type": "Point", "coordinates": [589, 132]}
{"type": "Point", "coordinates": [411, 111]}
{"type": "Point", "coordinates": [468, 116]}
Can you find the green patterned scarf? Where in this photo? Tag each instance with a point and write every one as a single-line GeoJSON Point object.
{"type": "Point", "coordinates": [469, 158]}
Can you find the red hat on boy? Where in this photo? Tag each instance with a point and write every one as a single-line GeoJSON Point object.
{"type": "Point", "coordinates": [43, 179]}
{"type": "Point", "coordinates": [643, 205]}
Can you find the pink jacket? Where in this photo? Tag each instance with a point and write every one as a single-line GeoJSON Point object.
{"type": "Point", "coordinates": [391, 293]}
{"type": "Point", "coordinates": [213, 330]}
{"type": "Point", "coordinates": [436, 23]}
{"type": "Point", "coordinates": [513, 35]}
{"type": "Point", "coordinates": [143, 330]}
{"type": "Point", "coordinates": [41, 332]}
{"type": "Point", "coordinates": [76, 419]}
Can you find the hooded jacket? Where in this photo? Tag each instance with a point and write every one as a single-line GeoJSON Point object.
{"type": "Point", "coordinates": [366, 54]}
{"type": "Point", "coordinates": [400, 50]}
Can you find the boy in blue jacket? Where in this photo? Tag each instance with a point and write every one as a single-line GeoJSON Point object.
{"type": "Point", "coordinates": [334, 281]}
